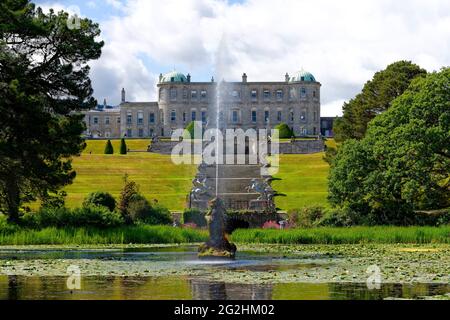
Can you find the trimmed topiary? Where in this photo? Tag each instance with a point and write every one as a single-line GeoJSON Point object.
{"type": "Point", "coordinates": [109, 148]}
{"type": "Point", "coordinates": [123, 146]}
{"type": "Point", "coordinates": [284, 132]}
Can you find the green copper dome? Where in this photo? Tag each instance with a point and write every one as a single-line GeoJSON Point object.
{"type": "Point", "coordinates": [303, 75]}
{"type": "Point", "coordinates": [173, 76]}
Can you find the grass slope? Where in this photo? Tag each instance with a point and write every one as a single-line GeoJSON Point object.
{"type": "Point", "coordinates": [157, 176]}
{"type": "Point", "coordinates": [304, 181]}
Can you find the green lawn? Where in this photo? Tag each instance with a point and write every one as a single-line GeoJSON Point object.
{"type": "Point", "coordinates": [157, 176]}
{"type": "Point", "coordinates": [304, 177]}
{"type": "Point", "coordinates": [304, 181]}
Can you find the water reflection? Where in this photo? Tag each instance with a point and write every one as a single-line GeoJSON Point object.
{"type": "Point", "coordinates": [181, 288]}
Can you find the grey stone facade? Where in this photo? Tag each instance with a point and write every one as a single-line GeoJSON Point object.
{"type": "Point", "coordinates": [258, 105]}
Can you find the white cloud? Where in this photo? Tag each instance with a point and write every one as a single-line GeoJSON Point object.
{"type": "Point", "coordinates": [341, 42]}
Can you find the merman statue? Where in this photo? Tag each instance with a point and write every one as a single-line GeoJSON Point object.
{"type": "Point", "coordinates": [218, 245]}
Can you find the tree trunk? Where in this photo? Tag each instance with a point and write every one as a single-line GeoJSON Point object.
{"type": "Point", "coordinates": [13, 200]}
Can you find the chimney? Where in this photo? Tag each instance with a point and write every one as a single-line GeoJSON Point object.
{"type": "Point", "coordinates": [160, 77]}
{"type": "Point", "coordinates": [286, 77]}
{"type": "Point", "coordinates": [123, 95]}
{"type": "Point", "coordinates": [188, 77]}
{"type": "Point", "coordinates": [244, 78]}
{"type": "Point", "coordinates": [104, 103]}
{"type": "Point", "coordinates": [212, 79]}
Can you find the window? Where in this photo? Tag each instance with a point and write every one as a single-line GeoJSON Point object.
{"type": "Point", "coordinates": [236, 94]}
{"type": "Point", "coordinates": [141, 132]}
{"type": "Point", "coordinates": [151, 118]}
{"type": "Point", "coordinates": [204, 116]}
{"type": "Point", "coordinates": [173, 94]}
{"type": "Point", "coordinates": [140, 118]}
{"type": "Point", "coordinates": [185, 94]}
{"type": "Point", "coordinates": [194, 94]}
{"type": "Point", "coordinates": [95, 120]}
{"type": "Point", "coordinates": [315, 116]}
{"type": "Point", "coordinates": [172, 79]}
{"type": "Point", "coordinates": [303, 116]}
{"type": "Point", "coordinates": [266, 116]}
{"type": "Point", "coordinates": [203, 94]}
{"type": "Point", "coordinates": [235, 116]}
{"type": "Point", "coordinates": [314, 93]}
{"type": "Point", "coordinates": [151, 133]}
{"type": "Point", "coordinates": [254, 95]}
{"type": "Point", "coordinates": [107, 120]}
{"type": "Point", "coordinates": [314, 131]}
{"type": "Point", "coordinates": [129, 119]}
{"type": "Point", "coordinates": [184, 116]}
{"type": "Point", "coordinates": [173, 116]}
{"type": "Point", "coordinates": [266, 94]}
{"type": "Point", "coordinates": [279, 116]}
{"type": "Point", "coordinates": [118, 120]}
{"type": "Point", "coordinates": [291, 115]}
{"type": "Point", "coordinates": [279, 94]}
{"type": "Point", "coordinates": [303, 92]}
{"type": "Point", "coordinates": [193, 115]}
{"type": "Point", "coordinates": [292, 94]}
{"type": "Point", "coordinates": [254, 116]}
{"type": "Point", "coordinates": [129, 133]}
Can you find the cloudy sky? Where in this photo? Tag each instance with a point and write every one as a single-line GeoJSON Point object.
{"type": "Point", "coordinates": [341, 42]}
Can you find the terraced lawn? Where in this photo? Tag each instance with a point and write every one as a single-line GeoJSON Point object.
{"type": "Point", "coordinates": [157, 176]}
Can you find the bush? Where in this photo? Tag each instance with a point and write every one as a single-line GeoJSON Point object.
{"type": "Point", "coordinates": [109, 149]}
{"type": "Point", "coordinates": [140, 210]}
{"type": "Point", "coordinates": [189, 133]}
{"type": "Point", "coordinates": [194, 216]}
{"type": "Point", "coordinates": [284, 131]}
{"type": "Point", "coordinates": [87, 216]}
{"type": "Point", "coordinates": [306, 217]}
{"type": "Point", "coordinates": [104, 199]}
{"type": "Point", "coordinates": [123, 146]}
{"type": "Point", "coordinates": [338, 218]}
{"type": "Point", "coordinates": [130, 190]}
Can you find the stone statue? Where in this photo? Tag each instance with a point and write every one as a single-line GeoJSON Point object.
{"type": "Point", "coordinates": [200, 191]}
{"type": "Point", "coordinates": [218, 245]}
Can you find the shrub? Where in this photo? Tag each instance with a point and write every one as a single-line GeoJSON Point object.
{"type": "Point", "coordinates": [140, 210]}
{"type": "Point", "coordinates": [306, 217]}
{"type": "Point", "coordinates": [123, 146]}
{"type": "Point", "coordinates": [87, 216]}
{"type": "Point", "coordinates": [95, 216]}
{"type": "Point", "coordinates": [271, 225]}
{"type": "Point", "coordinates": [194, 216]}
{"type": "Point", "coordinates": [189, 133]}
{"type": "Point", "coordinates": [109, 149]}
{"type": "Point", "coordinates": [129, 191]}
{"type": "Point", "coordinates": [104, 199]}
{"type": "Point", "coordinates": [338, 218]}
{"type": "Point", "coordinates": [284, 131]}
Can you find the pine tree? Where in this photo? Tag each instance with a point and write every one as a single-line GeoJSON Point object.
{"type": "Point", "coordinates": [109, 148]}
{"type": "Point", "coordinates": [44, 84]}
{"type": "Point", "coordinates": [123, 146]}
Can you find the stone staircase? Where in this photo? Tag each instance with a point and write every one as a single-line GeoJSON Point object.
{"type": "Point", "coordinates": [232, 182]}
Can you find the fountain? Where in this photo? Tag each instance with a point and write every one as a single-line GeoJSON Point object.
{"type": "Point", "coordinates": [218, 245]}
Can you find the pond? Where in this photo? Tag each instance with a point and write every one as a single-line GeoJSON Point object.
{"type": "Point", "coordinates": [258, 273]}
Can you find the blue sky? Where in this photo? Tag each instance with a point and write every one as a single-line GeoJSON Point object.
{"type": "Point", "coordinates": [341, 42]}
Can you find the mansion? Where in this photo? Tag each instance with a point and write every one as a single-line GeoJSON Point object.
{"type": "Point", "coordinates": [258, 105]}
